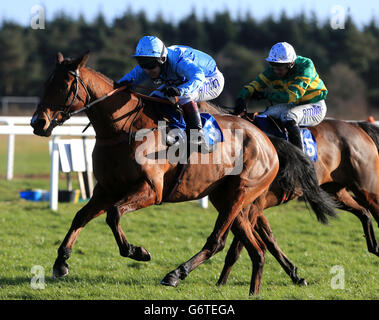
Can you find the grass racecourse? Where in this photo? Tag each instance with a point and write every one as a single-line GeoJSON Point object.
{"type": "Point", "coordinates": [333, 258]}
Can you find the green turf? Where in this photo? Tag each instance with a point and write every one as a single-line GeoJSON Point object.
{"type": "Point", "coordinates": [31, 233]}
{"type": "Point", "coordinates": [31, 155]}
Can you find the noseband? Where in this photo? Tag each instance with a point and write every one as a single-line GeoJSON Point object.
{"type": "Point", "coordinates": [66, 113]}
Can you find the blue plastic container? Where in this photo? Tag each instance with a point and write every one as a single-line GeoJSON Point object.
{"type": "Point", "coordinates": [34, 195]}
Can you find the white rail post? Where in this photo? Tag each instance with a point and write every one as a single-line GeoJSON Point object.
{"type": "Point", "coordinates": [88, 148]}
{"type": "Point", "coordinates": [204, 202]}
{"type": "Point", "coordinates": [10, 158]}
{"type": "Point", "coordinates": [54, 174]}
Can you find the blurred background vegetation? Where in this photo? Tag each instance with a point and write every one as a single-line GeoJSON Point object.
{"type": "Point", "coordinates": [346, 59]}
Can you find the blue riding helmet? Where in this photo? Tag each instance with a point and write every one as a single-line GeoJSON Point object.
{"type": "Point", "coordinates": [151, 47]}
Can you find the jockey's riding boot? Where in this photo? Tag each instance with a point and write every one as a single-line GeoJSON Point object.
{"type": "Point", "coordinates": [193, 121]}
{"type": "Point", "coordinates": [294, 134]}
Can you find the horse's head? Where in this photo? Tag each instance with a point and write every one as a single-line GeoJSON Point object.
{"type": "Point", "coordinates": [64, 93]}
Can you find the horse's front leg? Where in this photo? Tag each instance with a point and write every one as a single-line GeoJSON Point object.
{"type": "Point", "coordinates": [231, 257]}
{"type": "Point", "coordinates": [264, 230]}
{"type": "Point", "coordinates": [140, 197]}
{"type": "Point", "coordinates": [350, 204]}
{"type": "Point", "coordinates": [97, 205]}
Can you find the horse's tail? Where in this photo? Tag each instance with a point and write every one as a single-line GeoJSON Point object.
{"type": "Point", "coordinates": [371, 129]}
{"type": "Point", "coordinates": [296, 170]}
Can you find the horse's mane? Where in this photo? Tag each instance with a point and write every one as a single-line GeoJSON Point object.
{"type": "Point", "coordinates": [104, 77]}
{"type": "Point", "coordinates": [212, 108]}
{"type": "Point", "coordinates": [67, 61]}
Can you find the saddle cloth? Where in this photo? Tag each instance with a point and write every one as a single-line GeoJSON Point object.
{"type": "Point", "coordinates": [212, 130]}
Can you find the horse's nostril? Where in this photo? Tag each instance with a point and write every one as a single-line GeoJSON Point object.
{"type": "Point", "coordinates": [38, 123]}
{"type": "Point", "coordinates": [34, 119]}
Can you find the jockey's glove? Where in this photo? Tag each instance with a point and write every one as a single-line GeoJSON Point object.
{"type": "Point", "coordinates": [259, 95]}
{"type": "Point", "coordinates": [170, 91]}
{"type": "Point", "coordinates": [123, 83]}
{"type": "Point", "coordinates": [240, 106]}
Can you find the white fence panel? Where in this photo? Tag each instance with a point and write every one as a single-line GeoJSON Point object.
{"type": "Point", "coordinates": [65, 155]}
{"type": "Point", "coordinates": [13, 126]}
{"type": "Point", "coordinates": [69, 155]}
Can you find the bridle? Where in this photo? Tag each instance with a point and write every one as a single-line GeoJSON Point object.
{"type": "Point", "coordinates": [66, 113]}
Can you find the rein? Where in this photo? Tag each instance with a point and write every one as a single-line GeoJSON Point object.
{"type": "Point", "coordinates": [89, 105]}
{"type": "Point", "coordinates": [67, 113]}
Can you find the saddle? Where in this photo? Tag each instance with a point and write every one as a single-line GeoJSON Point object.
{"type": "Point", "coordinates": [173, 115]}
{"type": "Point", "coordinates": [274, 127]}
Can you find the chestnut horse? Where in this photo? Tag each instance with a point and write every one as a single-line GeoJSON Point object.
{"type": "Point", "coordinates": [125, 184]}
{"type": "Point", "coordinates": [347, 168]}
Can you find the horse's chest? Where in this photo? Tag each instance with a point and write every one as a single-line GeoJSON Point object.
{"type": "Point", "coordinates": [114, 169]}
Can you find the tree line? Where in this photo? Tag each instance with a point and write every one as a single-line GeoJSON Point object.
{"type": "Point", "coordinates": [346, 59]}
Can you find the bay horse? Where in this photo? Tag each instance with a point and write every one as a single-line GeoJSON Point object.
{"type": "Point", "coordinates": [347, 168]}
{"type": "Point", "coordinates": [124, 184]}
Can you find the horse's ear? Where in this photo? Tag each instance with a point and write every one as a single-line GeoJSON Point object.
{"type": "Point", "coordinates": [59, 57]}
{"type": "Point", "coordinates": [81, 62]}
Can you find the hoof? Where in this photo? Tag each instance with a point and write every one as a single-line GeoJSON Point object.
{"type": "Point", "coordinates": [60, 270]}
{"type": "Point", "coordinates": [373, 250]}
{"type": "Point", "coordinates": [136, 253]}
{"type": "Point", "coordinates": [253, 293]}
{"type": "Point", "coordinates": [170, 280]}
{"type": "Point", "coordinates": [221, 282]}
{"type": "Point", "coordinates": [141, 254]}
{"type": "Point", "coordinates": [302, 282]}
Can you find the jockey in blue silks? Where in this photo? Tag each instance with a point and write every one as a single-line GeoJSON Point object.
{"type": "Point", "coordinates": [183, 72]}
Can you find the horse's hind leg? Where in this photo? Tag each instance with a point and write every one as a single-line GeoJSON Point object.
{"type": "Point", "coordinates": [369, 200]}
{"type": "Point", "coordinates": [97, 205]}
{"type": "Point", "coordinates": [215, 243]}
{"type": "Point", "coordinates": [365, 184]}
{"type": "Point", "coordinates": [228, 210]}
{"type": "Point", "coordinates": [250, 239]}
{"type": "Point", "coordinates": [349, 204]}
{"type": "Point", "coordinates": [263, 228]}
